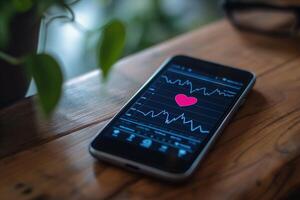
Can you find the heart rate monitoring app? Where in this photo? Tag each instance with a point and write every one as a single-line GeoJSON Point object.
{"type": "Point", "coordinates": [177, 112]}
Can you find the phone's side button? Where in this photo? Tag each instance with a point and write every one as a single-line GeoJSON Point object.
{"type": "Point", "coordinates": [242, 102]}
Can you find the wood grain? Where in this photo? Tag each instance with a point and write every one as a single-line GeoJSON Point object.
{"type": "Point", "coordinates": [257, 157]}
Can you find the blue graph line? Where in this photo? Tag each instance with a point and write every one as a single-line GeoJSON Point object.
{"type": "Point", "coordinates": [169, 120]}
{"type": "Point", "coordinates": [192, 90]}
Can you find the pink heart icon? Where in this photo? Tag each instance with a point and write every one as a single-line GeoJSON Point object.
{"type": "Point", "coordinates": [182, 100]}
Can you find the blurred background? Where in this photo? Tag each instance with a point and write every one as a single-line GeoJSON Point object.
{"type": "Point", "coordinates": [148, 22]}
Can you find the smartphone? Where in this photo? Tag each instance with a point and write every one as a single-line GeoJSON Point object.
{"type": "Point", "coordinates": [168, 126]}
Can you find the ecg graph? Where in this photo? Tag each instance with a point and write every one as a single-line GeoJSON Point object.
{"type": "Point", "coordinates": [203, 90]}
{"type": "Point", "coordinates": [178, 111]}
{"type": "Point", "coordinates": [157, 106]}
{"type": "Point", "coordinates": [169, 120]}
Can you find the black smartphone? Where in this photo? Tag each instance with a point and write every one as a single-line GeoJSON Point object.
{"type": "Point", "coordinates": [170, 123]}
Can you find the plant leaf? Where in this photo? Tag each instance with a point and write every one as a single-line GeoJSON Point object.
{"type": "Point", "coordinates": [111, 45]}
{"type": "Point", "coordinates": [48, 78]}
{"type": "Point", "coordinates": [22, 5]}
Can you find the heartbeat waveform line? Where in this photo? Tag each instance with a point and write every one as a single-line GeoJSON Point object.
{"type": "Point", "coordinates": [169, 121]}
{"type": "Point", "coordinates": [192, 90]}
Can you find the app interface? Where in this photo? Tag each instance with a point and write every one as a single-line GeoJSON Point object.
{"type": "Point", "coordinates": [177, 112]}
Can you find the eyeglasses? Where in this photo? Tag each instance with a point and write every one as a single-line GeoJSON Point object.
{"type": "Point", "coordinates": [266, 18]}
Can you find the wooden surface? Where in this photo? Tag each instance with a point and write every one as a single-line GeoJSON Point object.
{"type": "Point", "coordinates": [257, 156]}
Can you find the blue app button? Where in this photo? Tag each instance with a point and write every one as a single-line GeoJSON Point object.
{"type": "Point", "coordinates": [146, 143]}
{"type": "Point", "coordinates": [116, 133]}
{"type": "Point", "coordinates": [181, 153]}
{"type": "Point", "coordinates": [163, 148]}
{"type": "Point", "coordinates": [131, 137]}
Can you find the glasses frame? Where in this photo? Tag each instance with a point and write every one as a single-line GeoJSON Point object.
{"type": "Point", "coordinates": [231, 6]}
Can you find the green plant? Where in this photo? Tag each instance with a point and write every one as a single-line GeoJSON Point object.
{"type": "Point", "coordinates": [43, 68]}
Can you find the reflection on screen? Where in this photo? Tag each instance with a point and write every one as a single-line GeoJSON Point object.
{"type": "Point", "coordinates": [177, 111]}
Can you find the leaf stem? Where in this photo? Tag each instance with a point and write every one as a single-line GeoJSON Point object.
{"type": "Point", "coordinates": [10, 59]}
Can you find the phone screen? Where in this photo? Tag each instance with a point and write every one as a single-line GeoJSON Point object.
{"type": "Point", "coordinates": [177, 112]}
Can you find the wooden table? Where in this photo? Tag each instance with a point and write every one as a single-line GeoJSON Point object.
{"type": "Point", "coordinates": [257, 157]}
